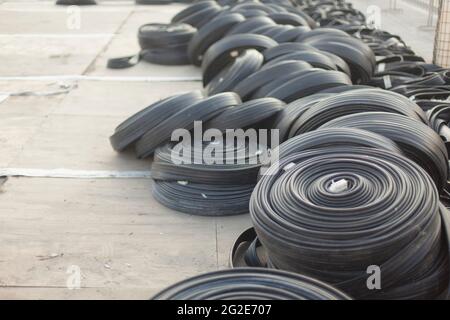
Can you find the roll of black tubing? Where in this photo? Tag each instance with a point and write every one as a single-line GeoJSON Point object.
{"type": "Point", "coordinates": [174, 56]}
{"type": "Point", "coordinates": [262, 30]}
{"type": "Point", "coordinates": [210, 33]}
{"type": "Point", "coordinates": [160, 35]}
{"type": "Point", "coordinates": [356, 101]}
{"type": "Point", "coordinates": [251, 284]}
{"type": "Point", "coordinates": [290, 34]}
{"type": "Point", "coordinates": [244, 252]}
{"type": "Point", "coordinates": [320, 32]}
{"type": "Point", "coordinates": [219, 54]}
{"type": "Point", "coordinates": [269, 87]}
{"type": "Point", "coordinates": [196, 7]}
{"type": "Point", "coordinates": [418, 141]}
{"type": "Point", "coordinates": [293, 110]}
{"type": "Point", "coordinates": [293, 47]}
{"type": "Point", "coordinates": [171, 56]}
{"type": "Point", "coordinates": [202, 17]}
{"type": "Point", "coordinates": [248, 14]}
{"type": "Point", "coordinates": [161, 44]}
{"type": "Point", "coordinates": [310, 82]}
{"type": "Point", "coordinates": [360, 65]}
{"type": "Point", "coordinates": [246, 115]}
{"type": "Point", "coordinates": [243, 66]}
{"type": "Point", "coordinates": [253, 6]}
{"type": "Point", "coordinates": [288, 18]}
{"type": "Point", "coordinates": [336, 136]}
{"type": "Point", "coordinates": [75, 2]}
{"type": "Point", "coordinates": [274, 31]}
{"type": "Point", "coordinates": [248, 25]}
{"type": "Point", "coordinates": [153, 2]}
{"type": "Point", "coordinates": [137, 125]}
{"type": "Point", "coordinates": [203, 199]}
{"type": "Point", "coordinates": [357, 44]}
{"type": "Point", "coordinates": [184, 118]}
{"type": "Point", "coordinates": [286, 48]}
{"type": "Point", "coordinates": [315, 58]}
{"type": "Point", "coordinates": [201, 167]}
{"type": "Point", "coordinates": [389, 215]}
{"type": "Point", "coordinates": [250, 84]}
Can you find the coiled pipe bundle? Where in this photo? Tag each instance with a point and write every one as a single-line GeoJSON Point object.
{"type": "Point", "coordinates": [251, 284]}
{"type": "Point", "coordinates": [331, 213]}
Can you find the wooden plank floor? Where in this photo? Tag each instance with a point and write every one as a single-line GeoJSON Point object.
{"type": "Point", "coordinates": [125, 244]}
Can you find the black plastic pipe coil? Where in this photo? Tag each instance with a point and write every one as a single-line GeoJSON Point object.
{"type": "Point", "coordinates": [200, 111]}
{"type": "Point", "coordinates": [201, 183]}
{"type": "Point", "coordinates": [250, 284]}
{"type": "Point", "coordinates": [388, 215]}
{"type": "Point", "coordinates": [418, 141]}
{"type": "Point", "coordinates": [231, 164]}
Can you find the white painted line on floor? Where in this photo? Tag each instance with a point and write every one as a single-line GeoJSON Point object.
{"type": "Point", "coordinates": [57, 35]}
{"type": "Point", "coordinates": [63, 10]}
{"type": "Point", "coordinates": [3, 97]}
{"type": "Point", "coordinates": [72, 174]}
{"type": "Point", "coordinates": [52, 3]}
{"type": "Point", "coordinates": [102, 6]}
{"type": "Point", "coordinates": [101, 78]}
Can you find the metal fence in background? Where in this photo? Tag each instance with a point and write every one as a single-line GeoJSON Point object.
{"type": "Point", "coordinates": [441, 54]}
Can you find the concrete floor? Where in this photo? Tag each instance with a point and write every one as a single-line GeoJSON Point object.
{"type": "Point", "coordinates": [126, 245]}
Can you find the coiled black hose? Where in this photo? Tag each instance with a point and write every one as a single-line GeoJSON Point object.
{"type": "Point", "coordinates": [137, 125]}
{"type": "Point", "coordinates": [203, 199]}
{"type": "Point", "coordinates": [251, 284]}
{"type": "Point", "coordinates": [333, 212]}
{"type": "Point", "coordinates": [200, 111]}
{"type": "Point", "coordinates": [248, 114]}
{"type": "Point", "coordinates": [355, 101]}
{"type": "Point", "coordinates": [230, 163]}
{"type": "Point", "coordinates": [418, 141]}
{"type": "Point", "coordinates": [332, 137]}
{"type": "Point", "coordinates": [243, 66]}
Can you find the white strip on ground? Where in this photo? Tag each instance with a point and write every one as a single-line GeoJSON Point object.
{"type": "Point", "coordinates": [100, 78]}
{"type": "Point", "coordinates": [63, 10]}
{"type": "Point", "coordinates": [72, 174]}
{"type": "Point", "coordinates": [3, 97]}
{"type": "Point", "coordinates": [57, 35]}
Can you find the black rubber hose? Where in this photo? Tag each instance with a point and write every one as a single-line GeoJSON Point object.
{"type": "Point", "coordinates": [230, 164]}
{"type": "Point", "coordinates": [160, 35]}
{"type": "Point", "coordinates": [314, 58]}
{"type": "Point", "coordinates": [418, 141]}
{"type": "Point", "coordinates": [211, 33]}
{"type": "Point", "coordinates": [309, 82]}
{"type": "Point", "coordinates": [184, 118]}
{"type": "Point", "coordinates": [250, 284]}
{"type": "Point", "coordinates": [243, 66]}
{"type": "Point", "coordinates": [160, 43]}
{"type": "Point", "coordinates": [288, 18]}
{"type": "Point", "coordinates": [333, 137]}
{"type": "Point", "coordinates": [203, 199]}
{"type": "Point", "coordinates": [287, 117]}
{"type": "Point", "coordinates": [246, 87]}
{"type": "Point", "coordinates": [331, 213]}
{"type": "Point", "coordinates": [202, 17]}
{"type": "Point", "coordinates": [286, 48]}
{"type": "Point", "coordinates": [355, 101]}
{"type": "Point", "coordinates": [246, 115]}
{"type": "Point", "coordinates": [137, 125]}
{"type": "Point", "coordinates": [248, 25]}
{"type": "Point", "coordinates": [192, 9]}
{"type": "Point", "coordinates": [224, 51]}
{"type": "Point", "coordinates": [290, 33]}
